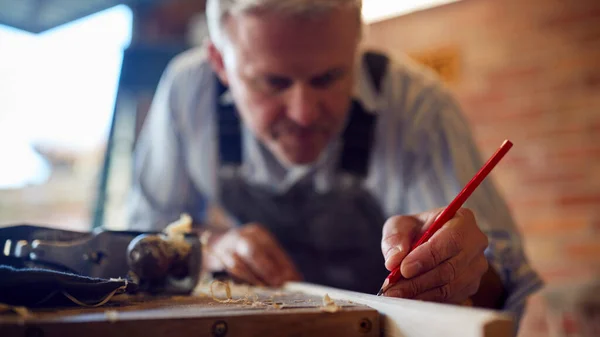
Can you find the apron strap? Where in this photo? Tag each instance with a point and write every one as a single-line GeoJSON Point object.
{"type": "Point", "coordinates": [230, 132]}
{"type": "Point", "coordinates": [358, 135]}
{"type": "Point", "coordinates": [357, 141]}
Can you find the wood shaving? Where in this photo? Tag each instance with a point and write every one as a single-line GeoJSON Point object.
{"type": "Point", "coordinates": [257, 304]}
{"type": "Point", "coordinates": [176, 232]}
{"type": "Point", "coordinates": [229, 298]}
{"type": "Point", "coordinates": [119, 290]}
{"type": "Point", "coordinates": [227, 292]}
{"type": "Point", "coordinates": [178, 228]}
{"type": "Point", "coordinates": [278, 306]}
{"type": "Point", "coordinates": [252, 301]}
{"type": "Point", "coordinates": [329, 305]}
{"type": "Point", "coordinates": [21, 311]}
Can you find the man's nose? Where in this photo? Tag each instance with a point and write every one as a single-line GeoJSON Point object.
{"type": "Point", "coordinates": [303, 105]}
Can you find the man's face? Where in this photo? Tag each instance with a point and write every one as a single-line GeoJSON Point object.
{"type": "Point", "coordinates": [291, 78]}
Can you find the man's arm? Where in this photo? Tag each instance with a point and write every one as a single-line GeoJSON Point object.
{"type": "Point", "coordinates": [161, 188]}
{"type": "Point", "coordinates": [449, 159]}
{"type": "Point", "coordinates": [438, 156]}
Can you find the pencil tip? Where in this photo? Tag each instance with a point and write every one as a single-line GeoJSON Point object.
{"type": "Point", "coordinates": [383, 287]}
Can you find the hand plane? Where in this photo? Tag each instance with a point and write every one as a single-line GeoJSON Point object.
{"type": "Point", "coordinates": [158, 262]}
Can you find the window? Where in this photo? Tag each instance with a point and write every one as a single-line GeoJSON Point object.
{"type": "Point", "coordinates": [377, 10]}
{"type": "Point", "coordinates": [57, 92]}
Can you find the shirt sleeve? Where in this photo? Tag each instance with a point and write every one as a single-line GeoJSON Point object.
{"type": "Point", "coordinates": [446, 158]}
{"type": "Point", "coordinates": [162, 189]}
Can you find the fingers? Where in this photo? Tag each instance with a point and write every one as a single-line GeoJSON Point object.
{"type": "Point", "coordinates": [237, 267]}
{"type": "Point", "coordinates": [456, 236]}
{"type": "Point", "coordinates": [449, 267]}
{"type": "Point", "coordinates": [443, 274]}
{"type": "Point", "coordinates": [257, 261]}
{"type": "Point", "coordinates": [398, 234]}
{"type": "Point", "coordinates": [253, 255]}
{"type": "Point", "coordinates": [448, 283]}
{"type": "Point", "coordinates": [462, 288]}
{"type": "Point", "coordinates": [285, 270]}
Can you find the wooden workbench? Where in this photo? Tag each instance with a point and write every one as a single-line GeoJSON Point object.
{"type": "Point", "coordinates": [295, 310]}
{"type": "Point", "coordinates": [249, 312]}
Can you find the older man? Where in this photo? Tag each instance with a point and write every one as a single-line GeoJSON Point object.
{"type": "Point", "coordinates": [315, 148]}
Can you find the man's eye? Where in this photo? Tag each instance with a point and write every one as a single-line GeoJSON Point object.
{"type": "Point", "coordinates": [323, 81]}
{"type": "Point", "coordinates": [278, 83]}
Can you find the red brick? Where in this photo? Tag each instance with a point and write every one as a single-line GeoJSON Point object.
{"type": "Point", "coordinates": [589, 151]}
{"type": "Point", "coordinates": [486, 98]}
{"type": "Point", "coordinates": [558, 131]}
{"type": "Point", "coordinates": [552, 178]}
{"type": "Point", "coordinates": [527, 204]}
{"type": "Point", "coordinates": [515, 75]}
{"type": "Point", "coordinates": [565, 18]}
{"type": "Point", "coordinates": [592, 80]}
{"type": "Point", "coordinates": [541, 249]}
{"type": "Point", "coordinates": [567, 273]}
{"type": "Point", "coordinates": [515, 161]}
{"type": "Point", "coordinates": [596, 225]}
{"type": "Point", "coordinates": [539, 88]}
{"type": "Point", "coordinates": [591, 199]}
{"type": "Point", "coordinates": [551, 226]}
{"type": "Point", "coordinates": [508, 116]}
{"type": "Point", "coordinates": [586, 60]}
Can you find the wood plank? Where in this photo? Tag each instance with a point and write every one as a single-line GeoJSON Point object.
{"type": "Point", "coordinates": [410, 318]}
{"type": "Point", "coordinates": [266, 312]}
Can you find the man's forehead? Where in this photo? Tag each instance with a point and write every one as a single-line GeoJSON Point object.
{"type": "Point", "coordinates": [272, 38]}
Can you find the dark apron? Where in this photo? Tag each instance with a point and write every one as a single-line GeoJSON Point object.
{"type": "Point", "coordinates": [333, 237]}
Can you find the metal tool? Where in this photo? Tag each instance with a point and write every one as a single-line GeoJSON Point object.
{"type": "Point", "coordinates": [155, 261]}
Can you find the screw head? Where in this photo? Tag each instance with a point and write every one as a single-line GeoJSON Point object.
{"type": "Point", "coordinates": [365, 325]}
{"type": "Point", "coordinates": [219, 329]}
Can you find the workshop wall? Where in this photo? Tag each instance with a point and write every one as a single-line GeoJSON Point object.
{"type": "Point", "coordinates": [528, 71]}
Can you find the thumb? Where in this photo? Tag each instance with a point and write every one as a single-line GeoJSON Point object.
{"type": "Point", "coordinates": [398, 234]}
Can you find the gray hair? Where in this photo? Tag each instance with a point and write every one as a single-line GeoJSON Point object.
{"type": "Point", "coordinates": [218, 10]}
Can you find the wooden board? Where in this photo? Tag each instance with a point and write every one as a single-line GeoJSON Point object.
{"type": "Point", "coordinates": [252, 312]}
{"type": "Point", "coordinates": [409, 318]}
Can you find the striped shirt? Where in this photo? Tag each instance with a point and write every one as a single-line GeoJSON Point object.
{"type": "Point", "coordinates": [422, 156]}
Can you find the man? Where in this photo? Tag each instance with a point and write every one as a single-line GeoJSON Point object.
{"type": "Point", "coordinates": [315, 149]}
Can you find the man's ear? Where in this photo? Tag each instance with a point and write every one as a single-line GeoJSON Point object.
{"type": "Point", "coordinates": [215, 57]}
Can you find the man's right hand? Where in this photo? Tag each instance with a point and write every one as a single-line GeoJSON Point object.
{"type": "Point", "coordinates": [253, 255]}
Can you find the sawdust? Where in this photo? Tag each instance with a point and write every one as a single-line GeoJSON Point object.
{"type": "Point", "coordinates": [329, 305]}
{"type": "Point", "coordinates": [248, 298]}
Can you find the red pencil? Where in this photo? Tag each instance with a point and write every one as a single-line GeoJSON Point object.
{"type": "Point", "coordinates": [449, 212]}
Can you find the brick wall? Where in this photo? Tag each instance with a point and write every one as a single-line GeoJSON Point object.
{"type": "Point", "coordinates": [528, 71]}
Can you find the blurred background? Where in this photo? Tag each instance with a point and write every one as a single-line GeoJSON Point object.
{"type": "Point", "coordinates": [77, 77]}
